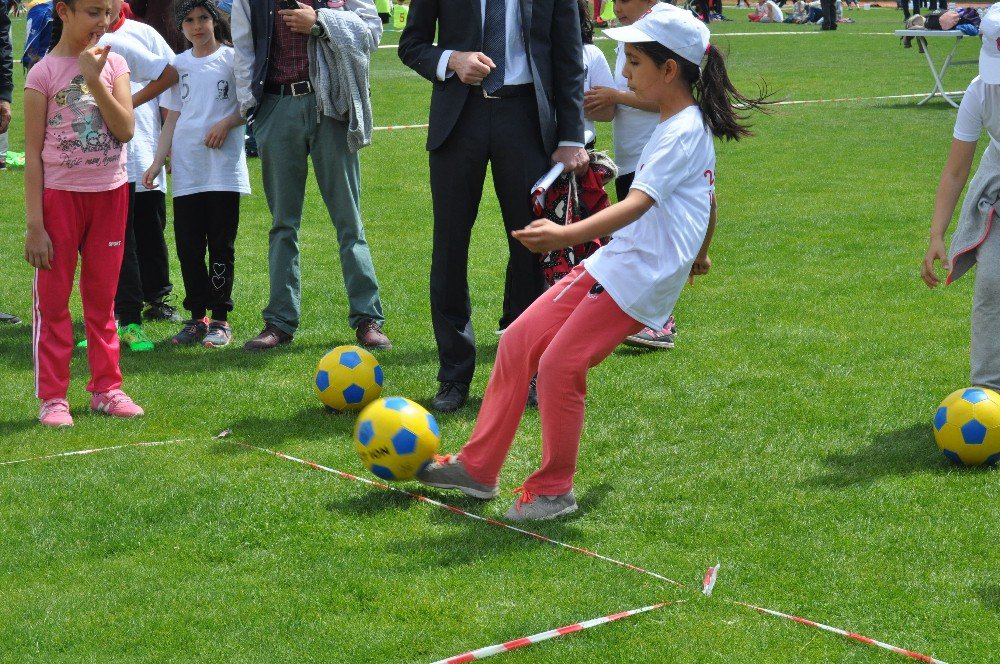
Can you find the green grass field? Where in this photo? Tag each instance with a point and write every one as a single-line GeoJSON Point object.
{"type": "Point", "coordinates": [788, 435]}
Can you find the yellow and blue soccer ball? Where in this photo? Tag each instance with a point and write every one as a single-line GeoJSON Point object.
{"type": "Point", "coordinates": [348, 378]}
{"type": "Point", "coordinates": [967, 426]}
{"type": "Point", "coordinates": [396, 437]}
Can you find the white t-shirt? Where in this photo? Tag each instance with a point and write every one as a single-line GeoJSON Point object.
{"type": "Point", "coordinates": [632, 127]}
{"type": "Point", "coordinates": [595, 72]}
{"type": "Point", "coordinates": [980, 109]}
{"type": "Point", "coordinates": [646, 264]}
{"type": "Point", "coordinates": [205, 94]}
{"type": "Point", "coordinates": [147, 55]}
{"type": "Point", "coordinates": [771, 9]}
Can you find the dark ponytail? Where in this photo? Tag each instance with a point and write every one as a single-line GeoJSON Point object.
{"type": "Point", "coordinates": [57, 24]}
{"type": "Point", "coordinates": [715, 94]}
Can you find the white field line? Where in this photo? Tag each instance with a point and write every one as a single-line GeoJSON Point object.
{"type": "Point", "coordinates": [791, 102]}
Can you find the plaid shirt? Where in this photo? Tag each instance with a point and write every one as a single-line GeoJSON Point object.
{"type": "Point", "coordinates": [289, 56]}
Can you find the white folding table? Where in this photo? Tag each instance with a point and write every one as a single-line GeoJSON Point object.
{"type": "Point", "coordinates": [922, 36]}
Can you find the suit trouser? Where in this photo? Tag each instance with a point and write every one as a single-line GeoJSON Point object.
{"type": "Point", "coordinates": [506, 134]}
{"type": "Point", "coordinates": [205, 224]}
{"type": "Point", "coordinates": [150, 220]}
{"type": "Point", "coordinates": [572, 327]}
{"type": "Point", "coordinates": [985, 354]}
{"type": "Point", "coordinates": [128, 295]}
{"type": "Point", "coordinates": [88, 226]}
{"type": "Point", "coordinates": [287, 136]}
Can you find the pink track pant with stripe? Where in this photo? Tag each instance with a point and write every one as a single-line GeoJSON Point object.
{"type": "Point", "coordinates": [90, 225]}
{"type": "Point", "coordinates": [571, 327]}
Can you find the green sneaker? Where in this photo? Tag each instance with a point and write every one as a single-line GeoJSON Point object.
{"type": "Point", "coordinates": [133, 335]}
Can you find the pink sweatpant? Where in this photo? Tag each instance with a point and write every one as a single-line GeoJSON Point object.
{"type": "Point", "coordinates": [90, 225]}
{"type": "Point", "coordinates": [571, 327]}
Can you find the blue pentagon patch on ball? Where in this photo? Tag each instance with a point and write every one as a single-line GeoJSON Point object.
{"type": "Point", "coordinates": [940, 417]}
{"type": "Point", "coordinates": [383, 472]}
{"type": "Point", "coordinates": [973, 432]}
{"type": "Point", "coordinates": [974, 395]}
{"type": "Point", "coordinates": [396, 403]}
{"type": "Point", "coordinates": [354, 394]}
{"type": "Point", "coordinates": [365, 432]}
{"type": "Point", "coordinates": [350, 359]}
{"type": "Point", "coordinates": [378, 374]}
{"type": "Point", "coordinates": [433, 425]}
{"type": "Point", "coordinates": [322, 380]}
{"type": "Point", "coordinates": [405, 442]}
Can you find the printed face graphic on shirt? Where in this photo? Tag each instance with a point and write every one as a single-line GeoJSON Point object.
{"type": "Point", "coordinates": [223, 88]}
{"type": "Point", "coordinates": [90, 135]}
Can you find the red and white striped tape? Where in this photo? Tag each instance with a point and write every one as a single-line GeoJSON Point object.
{"type": "Point", "coordinates": [482, 653]}
{"type": "Point", "coordinates": [708, 583]}
{"type": "Point", "coordinates": [843, 632]}
{"type": "Point", "coordinates": [431, 501]}
{"type": "Point", "coordinates": [393, 127]}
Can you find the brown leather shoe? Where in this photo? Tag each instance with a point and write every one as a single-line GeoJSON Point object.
{"type": "Point", "coordinates": [270, 337]}
{"type": "Point", "coordinates": [370, 335]}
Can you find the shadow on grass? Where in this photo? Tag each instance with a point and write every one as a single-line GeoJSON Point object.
{"type": "Point", "coordinates": [989, 596]}
{"type": "Point", "coordinates": [308, 424]}
{"type": "Point", "coordinates": [903, 452]}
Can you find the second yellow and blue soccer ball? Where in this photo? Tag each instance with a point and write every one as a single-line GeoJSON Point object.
{"type": "Point", "coordinates": [348, 378]}
{"type": "Point", "coordinates": [967, 426]}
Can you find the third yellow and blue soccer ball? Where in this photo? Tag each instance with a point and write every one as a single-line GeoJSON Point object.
{"type": "Point", "coordinates": [967, 426]}
{"type": "Point", "coordinates": [348, 378]}
{"type": "Point", "coordinates": [396, 437]}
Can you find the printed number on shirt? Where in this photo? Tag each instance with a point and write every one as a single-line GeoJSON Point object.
{"type": "Point", "coordinates": [185, 88]}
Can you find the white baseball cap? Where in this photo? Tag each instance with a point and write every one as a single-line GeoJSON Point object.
{"type": "Point", "coordinates": [989, 54]}
{"type": "Point", "coordinates": [679, 31]}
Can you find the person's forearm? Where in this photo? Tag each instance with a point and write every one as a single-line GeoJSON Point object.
{"type": "Point", "coordinates": [604, 114]}
{"type": "Point", "coordinates": [235, 120]}
{"type": "Point", "coordinates": [168, 77]}
{"type": "Point", "coordinates": [707, 242]}
{"type": "Point", "coordinates": [949, 189]}
{"type": "Point", "coordinates": [166, 137]}
{"type": "Point", "coordinates": [626, 98]}
{"type": "Point", "coordinates": [609, 220]}
{"type": "Point", "coordinates": [33, 188]}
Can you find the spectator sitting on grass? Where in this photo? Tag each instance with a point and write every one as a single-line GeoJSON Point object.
{"type": "Point", "coordinates": [767, 11]}
{"type": "Point", "coordinates": [800, 13]}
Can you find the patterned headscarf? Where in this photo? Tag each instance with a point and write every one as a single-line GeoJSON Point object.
{"type": "Point", "coordinates": [185, 7]}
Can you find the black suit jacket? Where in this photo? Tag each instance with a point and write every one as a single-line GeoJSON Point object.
{"type": "Point", "coordinates": [551, 32]}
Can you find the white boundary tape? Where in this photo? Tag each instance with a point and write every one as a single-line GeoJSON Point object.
{"type": "Point", "coordinates": [99, 449]}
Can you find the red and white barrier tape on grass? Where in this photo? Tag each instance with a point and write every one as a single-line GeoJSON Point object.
{"type": "Point", "coordinates": [851, 635]}
{"type": "Point", "coordinates": [436, 503]}
{"type": "Point", "coordinates": [99, 449]}
{"type": "Point", "coordinates": [482, 653]}
{"type": "Point", "coordinates": [712, 575]}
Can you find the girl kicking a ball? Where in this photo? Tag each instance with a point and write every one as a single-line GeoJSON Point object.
{"type": "Point", "coordinates": [660, 229]}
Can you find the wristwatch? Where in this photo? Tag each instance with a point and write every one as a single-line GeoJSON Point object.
{"type": "Point", "coordinates": [317, 29]}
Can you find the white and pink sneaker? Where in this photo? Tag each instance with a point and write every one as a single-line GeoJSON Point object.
{"type": "Point", "coordinates": [54, 413]}
{"type": "Point", "coordinates": [115, 403]}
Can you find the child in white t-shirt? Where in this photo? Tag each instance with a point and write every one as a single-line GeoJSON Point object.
{"type": "Point", "coordinates": [767, 11]}
{"type": "Point", "coordinates": [595, 66]}
{"type": "Point", "coordinates": [976, 240]}
{"type": "Point", "coordinates": [633, 121]}
{"type": "Point", "coordinates": [209, 171]}
{"type": "Point", "coordinates": [660, 230]}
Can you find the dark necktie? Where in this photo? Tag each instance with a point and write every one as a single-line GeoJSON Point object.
{"type": "Point", "coordinates": [495, 43]}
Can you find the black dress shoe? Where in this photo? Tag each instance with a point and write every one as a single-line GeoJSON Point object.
{"type": "Point", "coordinates": [450, 397]}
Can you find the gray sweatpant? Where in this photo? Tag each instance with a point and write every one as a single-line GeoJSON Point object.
{"type": "Point", "coordinates": [986, 313]}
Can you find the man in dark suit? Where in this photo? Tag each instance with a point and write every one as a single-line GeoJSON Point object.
{"type": "Point", "coordinates": [508, 90]}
